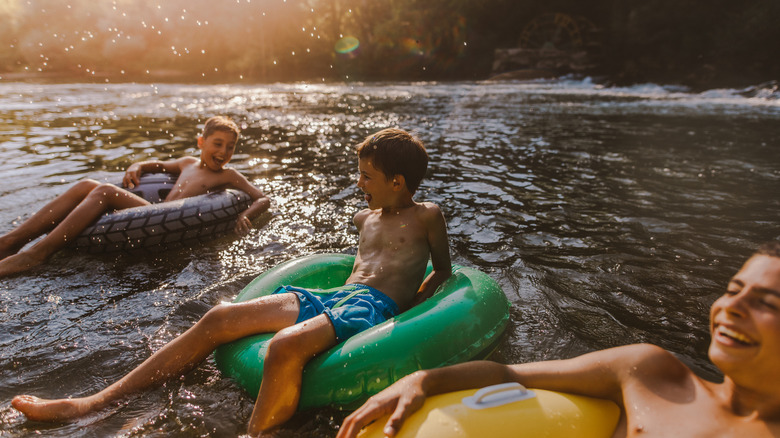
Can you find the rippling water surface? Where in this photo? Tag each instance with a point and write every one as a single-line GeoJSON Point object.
{"type": "Point", "coordinates": [608, 215]}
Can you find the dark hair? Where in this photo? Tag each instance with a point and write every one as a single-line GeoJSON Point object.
{"type": "Point", "coordinates": [396, 152]}
{"type": "Point", "coordinates": [771, 248]}
{"type": "Point", "coordinates": [220, 123]}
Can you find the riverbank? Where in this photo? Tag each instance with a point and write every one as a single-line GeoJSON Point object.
{"type": "Point", "coordinates": [701, 79]}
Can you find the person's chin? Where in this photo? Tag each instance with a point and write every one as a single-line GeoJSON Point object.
{"type": "Point", "coordinates": [725, 357]}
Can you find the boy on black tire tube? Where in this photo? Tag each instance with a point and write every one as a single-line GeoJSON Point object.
{"type": "Point", "coordinates": [70, 213]}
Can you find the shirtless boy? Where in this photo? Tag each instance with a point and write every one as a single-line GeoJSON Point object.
{"type": "Point", "coordinates": [397, 237]}
{"type": "Point", "coordinates": [71, 212]}
{"type": "Point", "coordinates": [658, 395]}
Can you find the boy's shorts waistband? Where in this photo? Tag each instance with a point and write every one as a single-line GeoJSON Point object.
{"type": "Point", "coordinates": [360, 287]}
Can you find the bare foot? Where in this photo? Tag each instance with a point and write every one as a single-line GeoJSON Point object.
{"type": "Point", "coordinates": [38, 409]}
{"type": "Point", "coordinates": [18, 263]}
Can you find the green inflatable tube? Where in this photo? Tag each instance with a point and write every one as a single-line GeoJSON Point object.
{"type": "Point", "coordinates": [463, 320]}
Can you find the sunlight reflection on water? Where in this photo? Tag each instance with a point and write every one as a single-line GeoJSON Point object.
{"type": "Point", "coordinates": [607, 215]}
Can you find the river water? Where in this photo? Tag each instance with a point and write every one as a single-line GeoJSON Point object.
{"type": "Point", "coordinates": [608, 216]}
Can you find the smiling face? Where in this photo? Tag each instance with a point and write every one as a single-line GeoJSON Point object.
{"type": "Point", "coordinates": [745, 322]}
{"type": "Point", "coordinates": [217, 149]}
{"type": "Point", "coordinates": [375, 185]}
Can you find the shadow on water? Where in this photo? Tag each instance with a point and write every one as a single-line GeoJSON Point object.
{"type": "Point", "coordinates": [608, 216]}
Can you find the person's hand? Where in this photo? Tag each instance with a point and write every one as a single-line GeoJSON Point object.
{"type": "Point", "coordinates": [243, 225]}
{"type": "Point", "coordinates": [132, 176]}
{"type": "Point", "coordinates": [399, 400]}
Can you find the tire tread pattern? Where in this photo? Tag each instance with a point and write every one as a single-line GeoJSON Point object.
{"type": "Point", "coordinates": [164, 226]}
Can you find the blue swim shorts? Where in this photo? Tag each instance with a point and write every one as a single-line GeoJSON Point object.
{"type": "Point", "coordinates": [351, 308]}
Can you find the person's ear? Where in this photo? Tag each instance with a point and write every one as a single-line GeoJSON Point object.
{"type": "Point", "coordinates": [200, 142]}
{"type": "Point", "coordinates": [399, 182]}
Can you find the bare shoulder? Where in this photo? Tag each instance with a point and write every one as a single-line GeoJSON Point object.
{"type": "Point", "coordinates": [650, 362]}
{"type": "Point", "coordinates": [429, 212]}
{"type": "Point", "coordinates": [178, 165]}
{"type": "Point", "coordinates": [186, 161]}
{"type": "Point", "coordinates": [360, 217]}
{"type": "Point", "coordinates": [233, 174]}
{"type": "Point", "coordinates": [429, 207]}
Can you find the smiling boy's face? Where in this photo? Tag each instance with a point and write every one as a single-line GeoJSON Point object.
{"type": "Point", "coordinates": [745, 321]}
{"type": "Point", "coordinates": [217, 149]}
{"type": "Point", "coordinates": [374, 183]}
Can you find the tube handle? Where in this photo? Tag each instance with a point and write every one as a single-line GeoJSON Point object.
{"type": "Point", "coordinates": [498, 395]}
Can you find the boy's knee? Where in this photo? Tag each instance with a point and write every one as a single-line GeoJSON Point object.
{"type": "Point", "coordinates": [216, 319]}
{"type": "Point", "coordinates": [104, 190]}
{"type": "Point", "coordinates": [86, 185]}
{"type": "Point", "coordinates": [286, 346]}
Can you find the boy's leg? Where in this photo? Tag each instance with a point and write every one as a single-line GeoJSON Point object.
{"type": "Point", "coordinates": [46, 218]}
{"type": "Point", "coordinates": [99, 200]}
{"type": "Point", "coordinates": [289, 351]}
{"type": "Point", "coordinates": [224, 323]}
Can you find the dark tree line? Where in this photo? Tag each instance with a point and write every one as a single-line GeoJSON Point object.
{"type": "Point", "coordinates": [704, 43]}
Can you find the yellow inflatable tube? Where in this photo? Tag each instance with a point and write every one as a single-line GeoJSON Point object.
{"type": "Point", "coordinates": [507, 410]}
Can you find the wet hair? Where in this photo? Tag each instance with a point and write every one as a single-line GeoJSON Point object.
{"type": "Point", "coordinates": [396, 152]}
{"type": "Point", "coordinates": [771, 248]}
{"type": "Point", "coordinates": [220, 123]}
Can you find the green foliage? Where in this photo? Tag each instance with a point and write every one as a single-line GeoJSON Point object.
{"type": "Point", "coordinates": [701, 42]}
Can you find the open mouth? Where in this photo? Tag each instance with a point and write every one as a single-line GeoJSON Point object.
{"type": "Point", "coordinates": [735, 336]}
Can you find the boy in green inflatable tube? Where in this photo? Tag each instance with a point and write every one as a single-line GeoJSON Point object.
{"type": "Point", "coordinates": [658, 395]}
{"type": "Point", "coordinates": [70, 213]}
{"type": "Point", "coordinates": [397, 238]}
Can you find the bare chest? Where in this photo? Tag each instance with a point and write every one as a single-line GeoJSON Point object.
{"type": "Point", "coordinates": [193, 182]}
{"type": "Point", "coordinates": [393, 234]}
{"type": "Point", "coordinates": [689, 416]}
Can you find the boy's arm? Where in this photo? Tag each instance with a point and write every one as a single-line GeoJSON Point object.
{"type": "Point", "coordinates": [601, 374]}
{"type": "Point", "coordinates": [261, 202]}
{"type": "Point", "coordinates": [134, 172]}
{"type": "Point", "coordinates": [440, 253]}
